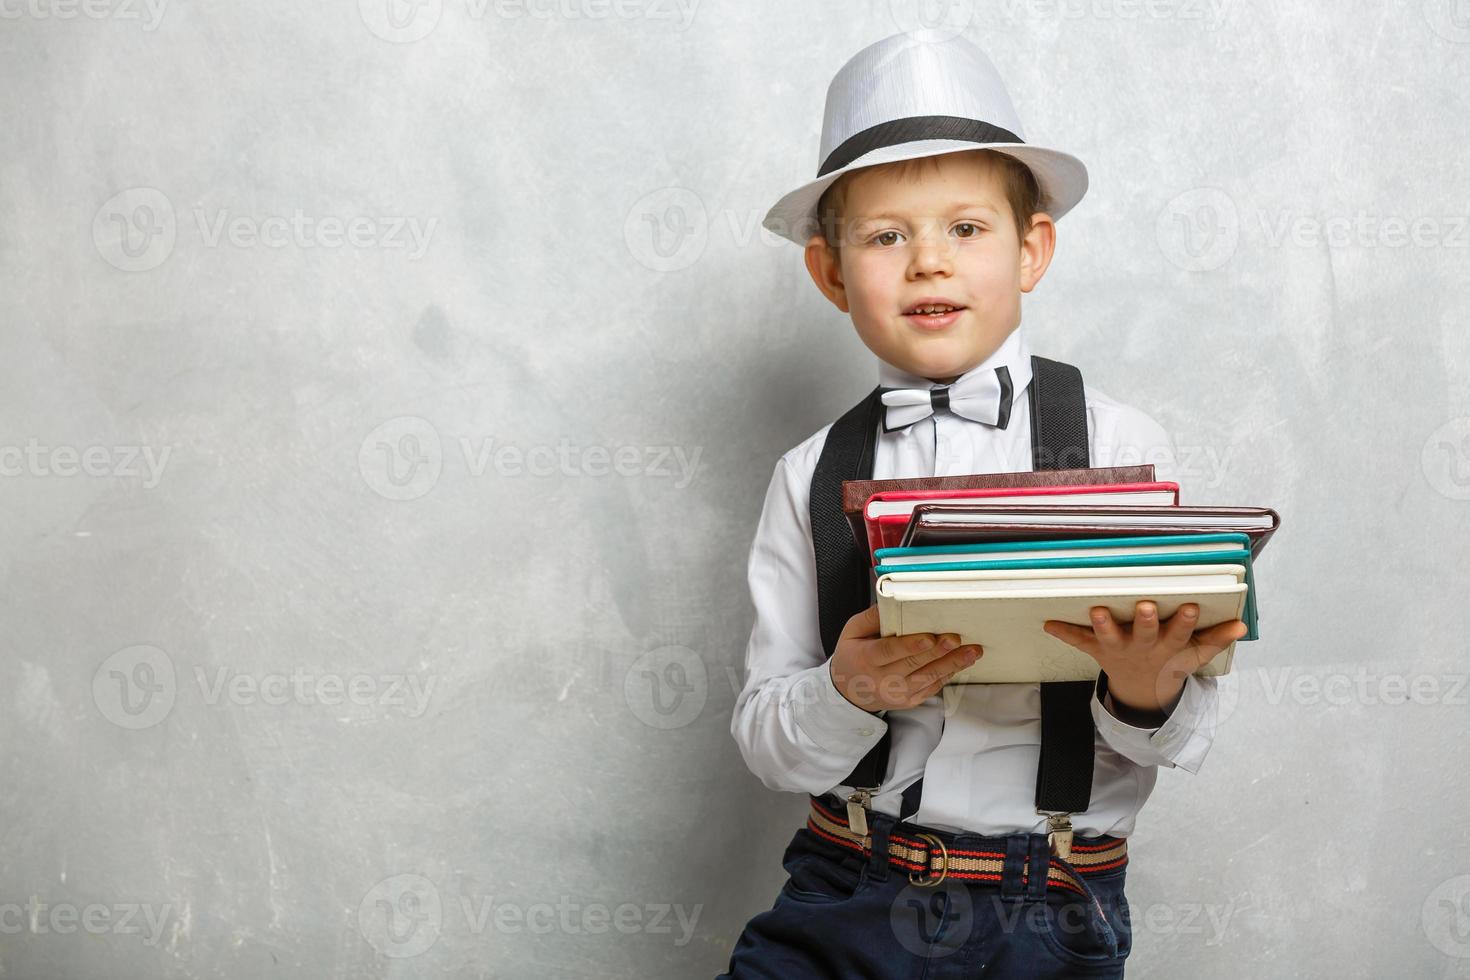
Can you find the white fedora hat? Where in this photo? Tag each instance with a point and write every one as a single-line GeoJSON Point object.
{"type": "Point", "coordinates": [904, 98]}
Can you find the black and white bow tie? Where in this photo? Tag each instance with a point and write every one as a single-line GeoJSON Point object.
{"type": "Point", "coordinates": [984, 396]}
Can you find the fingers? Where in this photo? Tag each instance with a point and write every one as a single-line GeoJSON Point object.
{"type": "Point", "coordinates": [945, 667]}
{"type": "Point", "coordinates": [924, 684]}
{"type": "Point", "coordinates": [863, 625]}
{"type": "Point", "coordinates": [1109, 634]}
{"type": "Point", "coordinates": [910, 667]}
{"type": "Point", "coordinates": [1180, 626]}
{"type": "Point", "coordinates": [1080, 637]}
{"type": "Point", "coordinates": [1206, 643]}
{"type": "Point", "coordinates": [1145, 623]}
{"type": "Point", "coordinates": [910, 651]}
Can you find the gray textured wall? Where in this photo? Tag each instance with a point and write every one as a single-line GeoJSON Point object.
{"type": "Point", "coordinates": [386, 398]}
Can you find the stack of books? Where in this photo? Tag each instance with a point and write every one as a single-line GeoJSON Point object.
{"type": "Point", "coordinates": [994, 556]}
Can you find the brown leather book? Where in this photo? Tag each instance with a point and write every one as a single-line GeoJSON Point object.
{"type": "Point", "coordinates": [929, 525]}
{"type": "Point", "coordinates": [855, 493]}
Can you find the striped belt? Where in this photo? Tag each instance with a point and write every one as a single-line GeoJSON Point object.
{"type": "Point", "coordinates": [927, 853]}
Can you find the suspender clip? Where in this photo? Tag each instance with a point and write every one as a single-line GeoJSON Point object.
{"type": "Point", "coordinates": [1059, 834]}
{"type": "Point", "coordinates": [857, 811]}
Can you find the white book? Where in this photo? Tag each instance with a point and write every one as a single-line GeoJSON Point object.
{"type": "Point", "coordinates": [1003, 611]}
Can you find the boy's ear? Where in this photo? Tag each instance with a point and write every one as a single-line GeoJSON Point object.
{"type": "Point", "coordinates": [826, 271]}
{"type": "Point", "coordinates": [1036, 250]}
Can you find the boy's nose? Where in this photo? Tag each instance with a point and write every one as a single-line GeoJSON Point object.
{"type": "Point", "coordinates": [930, 256]}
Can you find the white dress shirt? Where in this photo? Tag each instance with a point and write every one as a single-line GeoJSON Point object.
{"type": "Point", "coordinates": [976, 745]}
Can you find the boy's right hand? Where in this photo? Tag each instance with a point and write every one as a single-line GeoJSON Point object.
{"type": "Point", "coordinates": [879, 673]}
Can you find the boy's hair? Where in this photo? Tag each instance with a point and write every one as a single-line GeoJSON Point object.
{"type": "Point", "coordinates": [1021, 191]}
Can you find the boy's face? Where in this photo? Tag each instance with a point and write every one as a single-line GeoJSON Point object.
{"type": "Point", "coordinates": [944, 234]}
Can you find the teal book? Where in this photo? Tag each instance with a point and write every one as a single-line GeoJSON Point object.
{"type": "Point", "coordinates": [1084, 553]}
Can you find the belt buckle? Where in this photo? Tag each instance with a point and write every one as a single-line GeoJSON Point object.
{"type": "Point", "coordinates": [943, 864]}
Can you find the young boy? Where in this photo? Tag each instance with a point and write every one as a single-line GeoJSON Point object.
{"type": "Point", "coordinates": [929, 218]}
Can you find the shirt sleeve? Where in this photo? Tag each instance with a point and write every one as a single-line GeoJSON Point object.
{"type": "Point", "coordinates": [1127, 435]}
{"type": "Point", "coordinates": [795, 730]}
{"type": "Point", "coordinates": [1182, 740]}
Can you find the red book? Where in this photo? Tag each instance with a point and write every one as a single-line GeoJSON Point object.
{"type": "Point", "coordinates": [886, 514]}
{"type": "Point", "coordinates": [855, 493]}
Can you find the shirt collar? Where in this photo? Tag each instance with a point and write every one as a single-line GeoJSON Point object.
{"type": "Point", "coordinates": [1013, 352]}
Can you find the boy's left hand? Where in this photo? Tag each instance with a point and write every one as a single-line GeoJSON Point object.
{"type": "Point", "coordinates": [1146, 662]}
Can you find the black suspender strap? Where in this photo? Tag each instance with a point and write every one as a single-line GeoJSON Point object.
{"type": "Point", "coordinates": [1059, 441]}
{"type": "Point", "coordinates": [844, 583]}
{"type": "Point", "coordinates": [1059, 427]}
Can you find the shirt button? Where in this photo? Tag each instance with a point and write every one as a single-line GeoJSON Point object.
{"type": "Point", "coordinates": [865, 731]}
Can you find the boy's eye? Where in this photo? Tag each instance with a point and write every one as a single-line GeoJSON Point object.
{"type": "Point", "coordinates": [974, 229]}
{"type": "Point", "coordinates": [879, 238]}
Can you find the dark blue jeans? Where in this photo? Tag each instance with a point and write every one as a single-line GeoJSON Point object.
{"type": "Point", "coordinates": [846, 916]}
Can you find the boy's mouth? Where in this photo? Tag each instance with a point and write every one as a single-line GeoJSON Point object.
{"type": "Point", "coordinates": [933, 314]}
